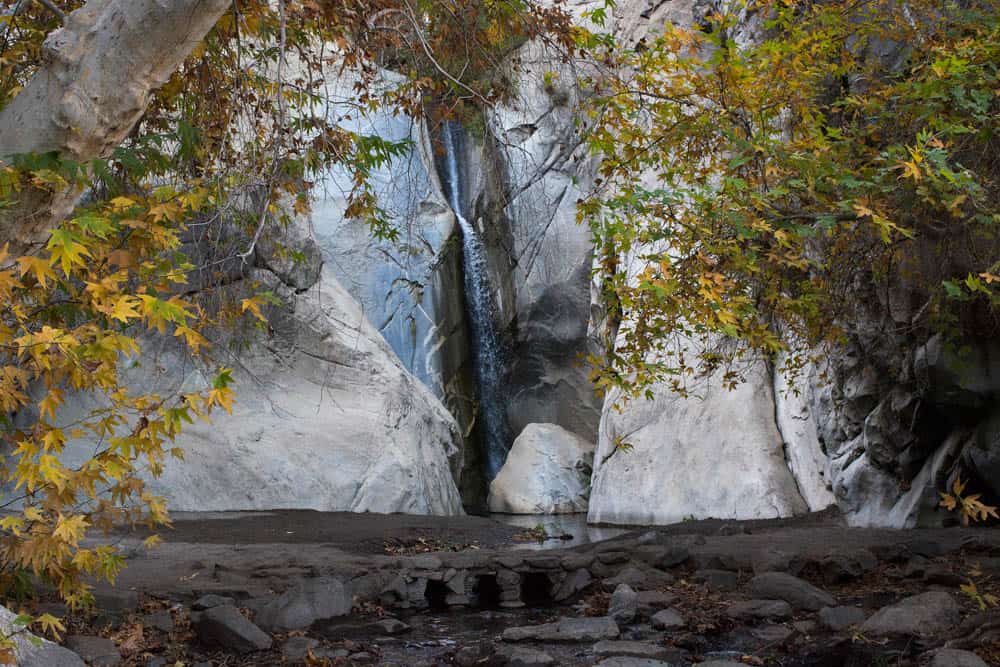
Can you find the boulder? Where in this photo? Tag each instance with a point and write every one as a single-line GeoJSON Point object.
{"type": "Point", "coordinates": [747, 609]}
{"type": "Point", "coordinates": [301, 606]}
{"type": "Point", "coordinates": [522, 656]}
{"type": "Point", "coordinates": [923, 615]}
{"type": "Point", "coordinates": [667, 619]}
{"type": "Point", "coordinates": [796, 592]}
{"type": "Point", "coordinates": [716, 453]}
{"type": "Point", "coordinates": [950, 657]}
{"type": "Point", "coordinates": [634, 649]}
{"type": "Point", "coordinates": [547, 472]}
{"type": "Point", "coordinates": [96, 651]}
{"type": "Point", "coordinates": [841, 618]}
{"type": "Point", "coordinates": [224, 626]}
{"type": "Point", "coordinates": [624, 604]}
{"type": "Point", "coordinates": [32, 651]}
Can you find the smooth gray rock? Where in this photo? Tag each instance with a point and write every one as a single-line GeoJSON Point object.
{"type": "Point", "coordinates": [224, 626]}
{"type": "Point", "coordinates": [391, 626]}
{"type": "Point", "coordinates": [652, 601]}
{"type": "Point", "coordinates": [547, 472]}
{"type": "Point", "coordinates": [717, 580]}
{"type": "Point", "coordinates": [776, 609]}
{"type": "Point", "coordinates": [572, 584]}
{"type": "Point", "coordinates": [921, 615]}
{"type": "Point", "coordinates": [565, 630]}
{"type": "Point", "coordinates": [667, 619]}
{"type": "Point", "coordinates": [97, 651]}
{"type": "Point", "coordinates": [950, 657]}
{"type": "Point", "coordinates": [841, 618]}
{"type": "Point", "coordinates": [641, 578]}
{"type": "Point", "coordinates": [796, 592]}
{"type": "Point", "coordinates": [772, 634]}
{"type": "Point", "coordinates": [634, 649]}
{"type": "Point", "coordinates": [310, 601]}
{"type": "Point", "coordinates": [624, 604]}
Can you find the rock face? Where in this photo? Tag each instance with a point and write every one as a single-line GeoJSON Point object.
{"type": "Point", "coordinates": [326, 417]}
{"type": "Point", "coordinates": [547, 472]}
{"type": "Point", "coordinates": [716, 454]}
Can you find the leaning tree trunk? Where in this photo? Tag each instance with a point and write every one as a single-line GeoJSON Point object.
{"type": "Point", "coordinates": [95, 83]}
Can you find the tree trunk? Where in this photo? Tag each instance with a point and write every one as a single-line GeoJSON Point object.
{"type": "Point", "coordinates": [93, 86]}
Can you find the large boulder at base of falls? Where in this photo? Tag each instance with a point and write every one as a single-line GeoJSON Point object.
{"type": "Point", "coordinates": [716, 453]}
{"type": "Point", "coordinates": [325, 418]}
{"type": "Point", "coordinates": [547, 472]}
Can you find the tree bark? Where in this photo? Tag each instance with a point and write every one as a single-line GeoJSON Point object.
{"type": "Point", "coordinates": [95, 83]}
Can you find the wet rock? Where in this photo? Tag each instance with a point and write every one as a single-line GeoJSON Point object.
{"type": "Point", "coordinates": [841, 618]}
{"type": "Point", "coordinates": [520, 656]}
{"type": "Point", "coordinates": [717, 580]}
{"type": "Point", "coordinates": [635, 649]}
{"type": "Point", "coordinates": [160, 620]}
{"type": "Point", "coordinates": [566, 630]}
{"type": "Point", "coordinates": [668, 619]}
{"type": "Point", "coordinates": [748, 609]}
{"type": "Point", "coordinates": [920, 615]}
{"type": "Point", "coordinates": [949, 657]}
{"type": "Point", "coordinates": [224, 626]}
{"type": "Point", "coordinates": [310, 601]}
{"type": "Point", "coordinates": [624, 604]}
{"type": "Point", "coordinates": [663, 557]}
{"type": "Point", "coordinates": [97, 651]}
{"type": "Point", "coordinates": [391, 626]}
{"type": "Point", "coordinates": [297, 648]}
{"type": "Point", "coordinates": [797, 592]}
{"type": "Point", "coordinates": [212, 600]}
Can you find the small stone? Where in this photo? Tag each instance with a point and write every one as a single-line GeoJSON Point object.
{"type": "Point", "coordinates": [668, 619]}
{"type": "Point", "coordinates": [919, 615]}
{"type": "Point", "coordinates": [652, 601]}
{"type": "Point", "coordinates": [212, 600]}
{"type": "Point", "coordinates": [776, 609]}
{"type": "Point", "coordinates": [797, 592]}
{"type": "Point", "coordinates": [949, 657]}
{"type": "Point", "coordinates": [717, 580]}
{"type": "Point", "coordinates": [391, 626]}
{"type": "Point", "coordinates": [226, 627]}
{"type": "Point", "coordinates": [841, 618]}
{"type": "Point", "coordinates": [840, 567]}
{"type": "Point", "coordinates": [804, 627]}
{"type": "Point", "coordinates": [362, 658]}
{"type": "Point", "coordinates": [612, 557]}
{"type": "Point", "coordinates": [574, 562]}
{"type": "Point", "coordinates": [156, 662]}
{"type": "Point", "coordinates": [624, 604]}
{"type": "Point", "coordinates": [297, 648]}
{"type": "Point", "coordinates": [641, 578]}
{"type": "Point", "coordinates": [97, 651]}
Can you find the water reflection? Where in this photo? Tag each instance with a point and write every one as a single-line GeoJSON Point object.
{"type": "Point", "coordinates": [562, 530]}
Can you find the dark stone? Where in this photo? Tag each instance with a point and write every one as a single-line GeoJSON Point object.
{"type": "Point", "coordinates": [645, 578]}
{"type": "Point", "coordinates": [160, 620]}
{"type": "Point", "coordinates": [841, 618]}
{"type": "Point", "coordinates": [667, 619]}
{"type": "Point", "coordinates": [841, 567]}
{"type": "Point", "coordinates": [772, 634]}
{"type": "Point", "coordinates": [572, 584]}
{"type": "Point", "coordinates": [949, 657]}
{"type": "Point", "coordinates": [611, 557]}
{"type": "Point", "coordinates": [224, 626]}
{"type": "Point", "coordinates": [717, 580]}
{"type": "Point", "coordinates": [566, 630]}
{"type": "Point", "coordinates": [797, 592]}
{"type": "Point", "coordinates": [921, 615]}
{"type": "Point", "coordinates": [391, 626]}
{"type": "Point", "coordinates": [747, 609]}
{"type": "Point", "coordinates": [636, 649]}
{"type": "Point", "coordinates": [212, 600]}
{"type": "Point", "coordinates": [624, 604]}
{"type": "Point", "coordinates": [652, 601]}
{"type": "Point", "coordinates": [97, 651]}
{"type": "Point", "coordinates": [520, 656]}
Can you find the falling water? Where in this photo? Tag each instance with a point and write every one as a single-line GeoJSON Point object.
{"type": "Point", "coordinates": [487, 348]}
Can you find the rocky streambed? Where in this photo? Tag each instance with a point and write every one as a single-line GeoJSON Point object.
{"type": "Point", "coordinates": [310, 588]}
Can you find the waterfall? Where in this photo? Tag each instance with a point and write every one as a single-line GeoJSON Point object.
{"type": "Point", "coordinates": [487, 348]}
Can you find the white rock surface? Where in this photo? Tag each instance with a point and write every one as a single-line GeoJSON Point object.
{"type": "Point", "coordinates": [547, 472]}
{"type": "Point", "coordinates": [715, 454]}
{"type": "Point", "coordinates": [28, 654]}
{"type": "Point", "coordinates": [326, 418]}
